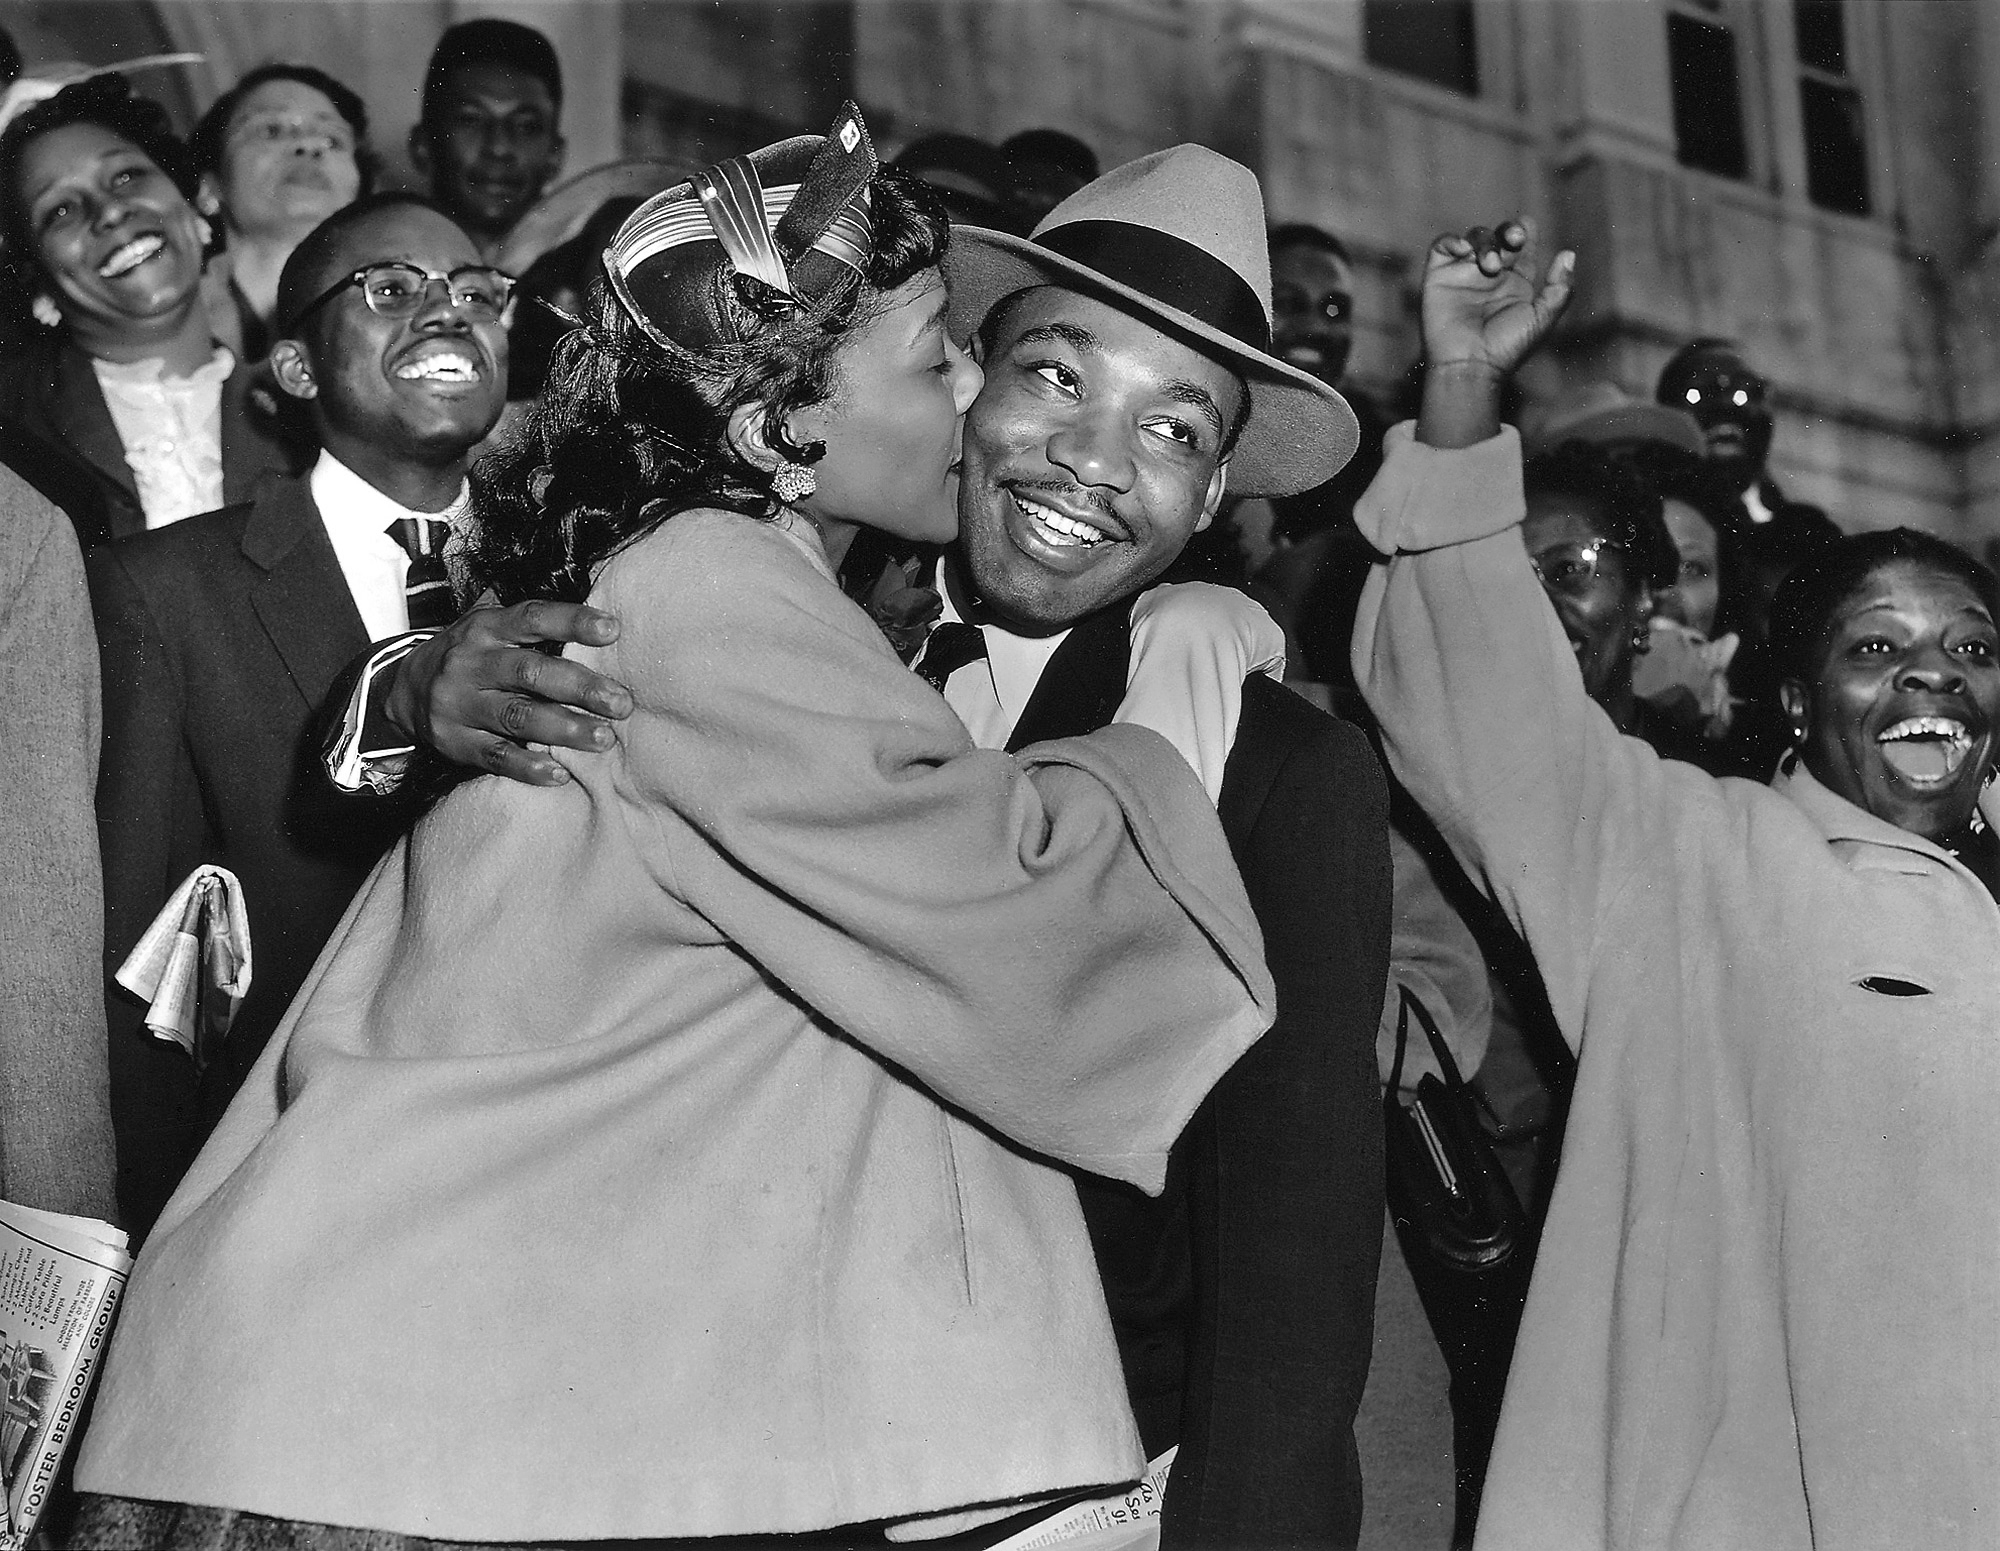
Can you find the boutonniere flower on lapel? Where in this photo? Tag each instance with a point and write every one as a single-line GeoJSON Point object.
{"type": "Point", "coordinates": [906, 616]}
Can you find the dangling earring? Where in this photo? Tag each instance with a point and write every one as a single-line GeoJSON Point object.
{"type": "Point", "coordinates": [1799, 734]}
{"type": "Point", "coordinates": [794, 482]}
{"type": "Point", "coordinates": [46, 312]}
{"type": "Point", "coordinates": [1642, 640]}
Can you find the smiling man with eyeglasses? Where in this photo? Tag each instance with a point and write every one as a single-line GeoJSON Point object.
{"type": "Point", "coordinates": [223, 634]}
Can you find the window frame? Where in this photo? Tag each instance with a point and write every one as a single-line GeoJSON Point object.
{"type": "Point", "coordinates": [1745, 21]}
{"type": "Point", "coordinates": [1479, 41]}
{"type": "Point", "coordinates": [1849, 82]}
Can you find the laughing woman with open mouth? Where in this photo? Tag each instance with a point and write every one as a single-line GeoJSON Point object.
{"type": "Point", "coordinates": [1763, 1310]}
{"type": "Point", "coordinates": [123, 409]}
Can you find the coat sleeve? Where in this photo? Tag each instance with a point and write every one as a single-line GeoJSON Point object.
{"type": "Point", "coordinates": [1432, 954]}
{"type": "Point", "coordinates": [152, 828]}
{"type": "Point", "coordinates": [55, 1118]}
{"type": "Point", "coordinates": [1484, 716]}
{"type": "Point", "coordinates": [1057, 943]}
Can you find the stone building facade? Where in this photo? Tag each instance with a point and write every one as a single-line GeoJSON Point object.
{"type": "Point", "coordinates": [1819, 179]}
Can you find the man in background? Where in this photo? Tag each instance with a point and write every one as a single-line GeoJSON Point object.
{"type": "Point", "coordinates": [488, 136]}
{"type": "Point", "coordinates": [1122, 396]}
{"type": "Point", "coordinates": [490, 141]}
{"type": "Point", "coordinates": [222, 634]}
{"type": "Point", "coordinates": [1301, 555]}
{"type": "Point", "coordinates": [1709, 379]}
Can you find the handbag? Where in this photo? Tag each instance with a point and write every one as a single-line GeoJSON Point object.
{"type": "Point", "coordinates": [1449, 1196]}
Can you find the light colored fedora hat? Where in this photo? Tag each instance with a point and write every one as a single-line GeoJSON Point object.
{"type": "Point", "coordinates": [1177, 236]}
{"type": "Point", "coordinates": [1604, 413]}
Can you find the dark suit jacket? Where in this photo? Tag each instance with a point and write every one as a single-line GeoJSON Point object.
{"type": "Point", "coordinates": [220, 636]}
{"type": "Point", "coordinates": [63, 441]}
{"type": "Point", "coordinates": [1244, 1297]}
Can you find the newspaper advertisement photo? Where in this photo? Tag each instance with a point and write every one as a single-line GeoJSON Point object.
{"type": "Point", "coordinates": [60, 1281]}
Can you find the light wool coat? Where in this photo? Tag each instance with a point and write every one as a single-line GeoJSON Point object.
{"type": "Point", "coordinates": [1766, 1311]}
{"type": "Point", "coordinates": [55, 1116]}
{"type": "Point", "coordinates": [632, 1164]}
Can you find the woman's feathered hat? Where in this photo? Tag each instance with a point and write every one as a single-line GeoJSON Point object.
{"type": "Point", "coordinates": [785, 226]}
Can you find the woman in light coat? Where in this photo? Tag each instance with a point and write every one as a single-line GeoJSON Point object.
{"type": "Point", "coordinates": [1763, 1313]}
{"type": "Point", "coordinates": [640, 1161]}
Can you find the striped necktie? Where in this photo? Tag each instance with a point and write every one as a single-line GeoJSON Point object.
{"type": "Point", "coordinates": [951, 646]}
{"type": "Point", "coordinates": [426, 587]}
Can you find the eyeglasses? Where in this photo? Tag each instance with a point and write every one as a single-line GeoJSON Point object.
{"type": "Point", "coordinates": [1741, 392]}
{"type": "Point", "coordinates": [1577, 570]}
{"type": "Point", "coordinates": [393, 289]}
{"type": "Point", "coordinates": [335, 137]}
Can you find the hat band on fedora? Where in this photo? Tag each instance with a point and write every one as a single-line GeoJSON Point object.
{"type": "Point", "coordinates": [1170, 271]}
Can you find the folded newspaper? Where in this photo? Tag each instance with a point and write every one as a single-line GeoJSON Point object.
{"type": "Point", "coordinates": [1124, 1521]}
{"type": "Point", "coordinates": [60, 1281]}
{"type": "Point", "coordinates": [192, 965]}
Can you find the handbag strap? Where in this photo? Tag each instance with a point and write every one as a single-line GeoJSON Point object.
{"type": "Point", "coordinates": [1395, 1083]}
{"type": "Point", "coordinates": [1446, 1065]}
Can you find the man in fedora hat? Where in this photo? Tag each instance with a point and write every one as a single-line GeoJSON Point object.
{"type": "Point", "coordinates": [1129, 383]}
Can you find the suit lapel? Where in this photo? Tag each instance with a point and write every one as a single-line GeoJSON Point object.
{"type": "Point", "coordinates": [1272, 724]}
{"type": "Point", "coordinates": [302, 599]}
{"type": "Point", "coordinates": [1083, 683]}
{"type": "Point", "coordinates": [84, 421]}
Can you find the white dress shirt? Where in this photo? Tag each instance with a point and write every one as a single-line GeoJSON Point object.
{"type": "Point", "coordinates": [357, 518]}
{"type": "Point", "coordinates": [171, 428]}
{"type": "Point", "coordinates": [1193, 645]}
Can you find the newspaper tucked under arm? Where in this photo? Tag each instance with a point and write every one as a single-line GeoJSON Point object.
{"type": "Point", "coordinates": [60, 1282]}
{"type": "Point", "coordinates": [192, 966]}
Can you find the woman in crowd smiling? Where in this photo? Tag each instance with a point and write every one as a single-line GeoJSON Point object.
{"type": "Point", "coordinates": [1762, 1313]}
{"type": "Point", "coordinates": [633, 1167]}
{"type": "Point", "coordinates": [1596, 543]}
{"type": "Point", "coordinates": [126, 391]}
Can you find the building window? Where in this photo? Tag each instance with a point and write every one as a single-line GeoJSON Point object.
{"type": "Point", "coordinates": [1429, 39]}
{"type": "Point", "coordinates": [1830, 109]}
{"type": "Point", "coordinates": [1708, 96]}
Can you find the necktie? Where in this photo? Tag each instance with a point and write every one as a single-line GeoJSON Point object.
{"type": "Point", "coordinates": [426, 587]}
{"type": "Point", "coordinates": [951, 646]}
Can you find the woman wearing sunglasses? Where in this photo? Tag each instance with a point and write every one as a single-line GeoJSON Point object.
{"type": "Point", "coordinates": [641, 1161]}
{"type": "Point", "coordinates": [135, 415]}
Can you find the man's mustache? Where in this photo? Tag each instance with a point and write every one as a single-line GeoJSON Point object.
{"type": "Point", "coordinates": [1076, 495]}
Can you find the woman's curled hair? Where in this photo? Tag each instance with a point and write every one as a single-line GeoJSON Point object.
{"type": "Point", "coordinates": [628, 433]}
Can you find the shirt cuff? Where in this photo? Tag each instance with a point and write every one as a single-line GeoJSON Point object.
{"type": "Point", "coordinates": [368, 754]}
{"type": "Point", "coordinates": [1429, 497]}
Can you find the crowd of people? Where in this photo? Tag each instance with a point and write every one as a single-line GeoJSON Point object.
{"type": "Point", "coordinates": [863, 788]}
